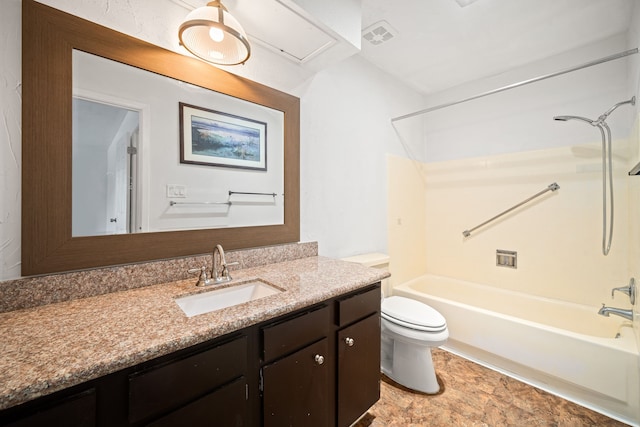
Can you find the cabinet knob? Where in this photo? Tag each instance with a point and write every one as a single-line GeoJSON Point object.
{"type": "Point", "coordinates": [319, 359]}
{"type": "Point", "coordinates": [349, 341]}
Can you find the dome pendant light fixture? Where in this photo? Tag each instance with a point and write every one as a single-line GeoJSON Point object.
{"type": "Point", "coordinates": [211, 33]}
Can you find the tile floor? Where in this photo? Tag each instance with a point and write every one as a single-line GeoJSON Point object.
{"type": "Point", "coordinates": [475, 396]}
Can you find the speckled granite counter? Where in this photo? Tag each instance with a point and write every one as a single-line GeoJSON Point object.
{"type": "Point", "coordinates": [52, 347]}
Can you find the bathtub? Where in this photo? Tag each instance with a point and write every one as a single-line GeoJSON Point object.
{"type": "Point", "coordinates": [564, 348]}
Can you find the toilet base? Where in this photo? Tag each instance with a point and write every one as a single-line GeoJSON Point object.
{"type": "Point", "coordinates": [409, 365]}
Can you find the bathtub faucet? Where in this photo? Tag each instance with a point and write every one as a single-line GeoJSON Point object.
{"type": "Point", "coordinates": [605, 311]}
{"type": "Point", "coordinates": [629, 290]}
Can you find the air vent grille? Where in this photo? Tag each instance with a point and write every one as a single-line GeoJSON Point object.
{"type": "Point", "coordinates": [378, 33]}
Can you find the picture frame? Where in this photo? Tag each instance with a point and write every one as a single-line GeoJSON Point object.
{"type": "Point", "coordinates": [215, 138]}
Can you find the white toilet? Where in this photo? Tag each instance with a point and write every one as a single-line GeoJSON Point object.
{"type": "Point", "coordinates": [409, 330]}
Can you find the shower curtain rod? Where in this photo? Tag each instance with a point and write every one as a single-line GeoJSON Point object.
{"type": "Point", "coordinates": [522, 83]}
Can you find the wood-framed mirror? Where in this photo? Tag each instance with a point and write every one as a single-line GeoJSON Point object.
{"type": "Point", "coordinates": [49, 37]}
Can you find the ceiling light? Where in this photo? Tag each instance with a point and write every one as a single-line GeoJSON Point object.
{"type": "Point", "coordinates": [211, 33]}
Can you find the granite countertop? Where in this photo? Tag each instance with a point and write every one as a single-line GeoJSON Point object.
{"type": "Point", "coordinates": [52, 347]}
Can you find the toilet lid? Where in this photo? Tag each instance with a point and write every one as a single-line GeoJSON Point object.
{"type": "Point", "coordinates": [412, 314]}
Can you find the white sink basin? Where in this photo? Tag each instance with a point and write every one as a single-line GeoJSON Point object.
{"type": "Point", "coordinates": [206, 302]}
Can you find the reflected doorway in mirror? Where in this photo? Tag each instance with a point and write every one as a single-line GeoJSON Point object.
{"type": "Point", "coordinates": [106, 141]}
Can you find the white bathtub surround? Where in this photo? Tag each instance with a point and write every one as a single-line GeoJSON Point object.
{"type": "Point", "coordinates": [564, 348]}
{"type": "Point", "coordinates": [558, 236]}
{"type": "Point", "coordinates": [406, 219]}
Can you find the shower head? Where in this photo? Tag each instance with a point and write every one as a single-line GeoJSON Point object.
{"type": "Point", "coordinates": [603, 117]}
{"type": "Point", "coordinates": [607, 166]}
{"type": "Point", "coordinates": [567, 118]}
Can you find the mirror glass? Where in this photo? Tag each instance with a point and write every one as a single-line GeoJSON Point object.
{"type": "Point", "coordinates": [151, 153]}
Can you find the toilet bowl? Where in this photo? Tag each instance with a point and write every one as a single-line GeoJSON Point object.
{"type": "Point", "coordinates": [410, 329]}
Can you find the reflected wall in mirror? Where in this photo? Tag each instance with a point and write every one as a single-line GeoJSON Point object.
{"type": "Point", "coordinates": [126, 180]}
{"type": "Point", "coordinates": [51, 242]}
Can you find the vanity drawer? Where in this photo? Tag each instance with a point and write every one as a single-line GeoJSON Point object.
{"type": "Point", "coordinates": [227, 406]}
{"type": "Point", "coordinates": [294, 333]}
{"type": "Point", "coordinates": [76, 410]}
{"type": "Point", "coordinates": [358, 306]}
{"type": "Point", "coordinates": [171, 385]}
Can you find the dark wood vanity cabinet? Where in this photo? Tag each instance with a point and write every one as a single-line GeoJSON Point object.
{"type": "Point", "coordinates": [358, 369]}
{"type": "Point", "coordinates": [296, 389]}
{"type": "Point", "coordinates": [208, 385]}
{"type": "Point", "coordinates": [319, 366]}
{"type": "Point", "coordinates": [358, 355]}
{"type": "Point", "coordinates": [76, 409]}
{"type": "Point", "coordinates": [332, 375]}
{"type": "Point", "coordinates": [200, 386]}
{"type": "Point", "coordinates": [296, 371]}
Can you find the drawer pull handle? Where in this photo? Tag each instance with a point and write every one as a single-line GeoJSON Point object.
{"type": "Point", "coordinates": [319, 359]}
{"type": "Point", "coordinates": [349, 341]}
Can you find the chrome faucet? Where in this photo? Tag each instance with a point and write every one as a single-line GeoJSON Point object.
{"type": "Point", "coordinates": [219, 270]}
{"type": "Point", "coordinates": [605, 311]}
{"type": "Point", "coordinates": [221, 273]}
{"type": "Point", "coordinates": [629, 290]}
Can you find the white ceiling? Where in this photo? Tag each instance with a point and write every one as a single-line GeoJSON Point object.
{"type": "Point", "coordinates": [440, 45]}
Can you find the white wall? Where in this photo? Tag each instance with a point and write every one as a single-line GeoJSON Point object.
{"type": "Point", "coordinates": [346, 131]}
{"type": "Point", "coordinates": [10, 133]}
{"type": "Point", "coordinates": [521, 119]}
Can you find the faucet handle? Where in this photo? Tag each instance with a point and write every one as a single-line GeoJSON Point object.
{"type": "Point", "coordinates": [629, 290]}
{"type": "Point", "coordinates": [225, 270]}
{"type": "Point", "coordinates": [203, 280]}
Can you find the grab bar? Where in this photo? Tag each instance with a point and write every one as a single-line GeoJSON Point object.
{"type": "Point", "coordinates": [255, 194]}
{"type": "Point", "coordinates": [551, 187]}
{"type": "Point", "coordinates": [172, 203]}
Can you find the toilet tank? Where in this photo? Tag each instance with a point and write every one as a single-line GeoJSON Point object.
{"type": "Point", "coordinates": [374, 260]}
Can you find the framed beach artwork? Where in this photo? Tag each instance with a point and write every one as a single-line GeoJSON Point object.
{"type": "Point", "coordinates": [215, 138]}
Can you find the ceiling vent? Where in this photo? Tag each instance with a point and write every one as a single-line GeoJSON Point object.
{"type": "Point", "coordinates": [379, 33]}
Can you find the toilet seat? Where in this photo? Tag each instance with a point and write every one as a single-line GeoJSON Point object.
{"type": "Point", "coordinates": [412, 314]}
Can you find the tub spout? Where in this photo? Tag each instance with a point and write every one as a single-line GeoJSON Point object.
{"type": "Point", "coordinates": [605, 311]}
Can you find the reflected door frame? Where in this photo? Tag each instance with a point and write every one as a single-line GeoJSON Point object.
{"type": "Point", "coordinates": [139, 166]}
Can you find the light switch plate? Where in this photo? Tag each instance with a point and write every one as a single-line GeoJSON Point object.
{"type": "Point", "coordinates": [176, 191]}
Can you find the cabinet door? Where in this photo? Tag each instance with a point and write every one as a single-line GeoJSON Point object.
{"type": "Point", "coordinates": [295, 388]}
{"type": "Point", "coordinates": [358, 368]}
